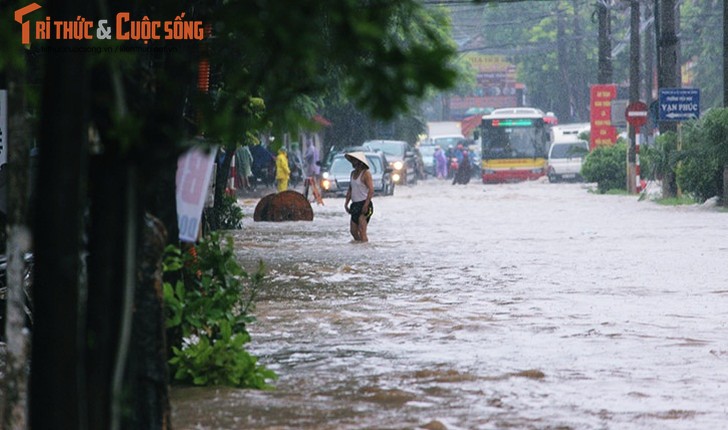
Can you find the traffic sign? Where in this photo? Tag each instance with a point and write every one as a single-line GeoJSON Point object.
{"type": "Point", "coordinates": [619, 109]}
{"type": "Point", "coordinates": [679, 104]}
{"type": "Point", "coordinates": [636, 114]}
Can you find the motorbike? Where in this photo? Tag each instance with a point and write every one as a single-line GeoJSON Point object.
{"type": "Point", "coordinates": [452, 167]}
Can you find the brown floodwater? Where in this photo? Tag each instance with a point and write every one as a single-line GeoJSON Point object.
{"type": "Point", "coordinates": [522, 306]}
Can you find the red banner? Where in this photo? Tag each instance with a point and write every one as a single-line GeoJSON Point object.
{"type": "Point", "coordinates": [602, 132]}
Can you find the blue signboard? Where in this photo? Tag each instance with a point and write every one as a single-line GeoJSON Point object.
{"type": "Point", "coordinates": [679, 104]}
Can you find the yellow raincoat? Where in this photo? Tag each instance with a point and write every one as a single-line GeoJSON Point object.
{"type": "Point", "coordinates": [283, 172]}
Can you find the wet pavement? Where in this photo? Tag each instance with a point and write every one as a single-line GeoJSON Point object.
{"type": "Point", "coordinates": [517, 306]}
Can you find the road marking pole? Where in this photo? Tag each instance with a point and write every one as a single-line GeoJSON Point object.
{"type": "Point", "coordinates": [637, 181]}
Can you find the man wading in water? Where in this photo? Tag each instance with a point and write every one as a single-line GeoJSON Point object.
{"type": "Point", "coordinates": [360, 192]}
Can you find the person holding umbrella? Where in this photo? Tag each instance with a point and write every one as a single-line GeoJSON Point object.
{"type": "Point", "coordinates": [360, 192]}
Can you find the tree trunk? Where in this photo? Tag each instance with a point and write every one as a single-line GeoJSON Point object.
{"type": "Point", "coordinates": [223, 172]}
{"type": "Point", "coordinates": [14, 408]}
{"type": "Point", "coordinates": [148, 361]}
{"type": "Point", "coordinates": [58, 397]}
{"type": "Point", "coordinates": [725, 185]}
{"type": "Point", "coordinates": [669, 185]}
{"type": "Point", "coordinates": [112, 248]}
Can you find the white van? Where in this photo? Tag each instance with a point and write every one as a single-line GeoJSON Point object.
{"type": "Point", "coordinates": [565, 158]}
{"type": "Point", "coordinates": [570, 132]}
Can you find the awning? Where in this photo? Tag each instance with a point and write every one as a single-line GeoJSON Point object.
{"type": "Point", "coordinates": [469, 124]}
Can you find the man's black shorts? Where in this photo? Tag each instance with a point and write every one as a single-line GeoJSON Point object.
{"type": "Point", "coordinates": [355, 211]}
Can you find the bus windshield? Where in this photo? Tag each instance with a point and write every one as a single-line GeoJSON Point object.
{"type": "Point", "coordinates": [508, 142]}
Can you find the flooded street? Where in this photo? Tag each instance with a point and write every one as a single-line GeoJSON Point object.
{"type": "Point", "coordinates": [520, 306]}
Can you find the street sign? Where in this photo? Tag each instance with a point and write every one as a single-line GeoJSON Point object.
{"type": "Point", "coordinates": [679, 104]}
{"type": "Point", "coordinates": [194, 173]}
{"type": "Point", "coordinates": [602, 131]}
{"type": "Point", "coordinates": [619, 108]}
{"type": "Point", "coordinates": [636, 114]}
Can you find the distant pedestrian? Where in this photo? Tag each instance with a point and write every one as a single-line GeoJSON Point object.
{"type": "Point", "coordinates": [295, 164]}
{"type": "Point", "coordinates": [244, 162]}
{"type": "Point", "coordinates": [283, 172]}
{"type": "Point", "coordinates": [464, 169]}
{"type": "Point", "coordinates": [440, 163]}
{"type": "Point", "coordinates": [360, 193]}
{"type": "Point", "coordinates": [264, 164]}
{"type": "Point", "coordinates": [311, 161]}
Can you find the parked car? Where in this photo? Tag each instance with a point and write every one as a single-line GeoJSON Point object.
{"type": "Point", "coordinates": [565, 158]}
{"type": "Point", "coordinates": [402, 159]}
{"type": "Point", "coordinates": [333, 152]}
{"type": "Point", "coordinates": [335, 180]}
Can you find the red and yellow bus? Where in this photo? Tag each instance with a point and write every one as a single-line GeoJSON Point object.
{"type": "Point", "coordinates": [515, 144]}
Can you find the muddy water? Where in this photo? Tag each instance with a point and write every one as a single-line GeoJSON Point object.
{"type": "Point", "coordinates": [524, 306]}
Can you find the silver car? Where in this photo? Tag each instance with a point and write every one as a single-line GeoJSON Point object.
{"type": "Point", "coordinates": [565, 158]}
{"type": "Point", "coordinates": [428, 158]}
{"type": "Point", "coordinates": [402, 159]}
{"type": "Point", "coordinates": [335, 181]}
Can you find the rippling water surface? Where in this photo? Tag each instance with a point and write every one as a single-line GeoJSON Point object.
{"type": "Point", "coordinates": [523, 306]}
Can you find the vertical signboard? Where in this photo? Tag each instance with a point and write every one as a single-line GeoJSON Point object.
{"type": "Point", "coordinates": [194, 170]}
{"type": "Point", "coordinates": [3, 127]}
{"type": "Point", "coordinates": [602, 131]}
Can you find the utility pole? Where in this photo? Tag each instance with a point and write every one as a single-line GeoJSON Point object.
{"type": "Point", "coordinates": [725, 92]}
{"type": "Point", "coordinates": [634, 87]}
{"type": "Point", "coordinates": [725, 55]}
{"type": "Point", "coordinates": [668, 70]}
{"type": "Point", "coordinates": [649, 51]}
{"type": "Point", "coordinates": [605, 44]}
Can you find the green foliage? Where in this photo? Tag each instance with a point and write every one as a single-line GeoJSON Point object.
{"type": "Point", "coordinates": [676, 201]}
{"type": "Point", "coordinates": [698, 164]}
{"type": "Point", "coordinates": [220, 362]}
{"type": "Point", "coordinates": [699, 171]}
{"type": "Point", "coordinates": [607, 166]}
{"type": "Point", "coordinates": [209, 308]}
{"type": "Point", "coordinates": [555, 47]}
{"type": "Point", "coordinates": [13, 50]}
{"type": "Point", "coordinates": [700, 175]}
{"type": "Point", "coordinates": [291, 54]}
{"type": "Point", "coordinates": [228, 214]}
{"type": "Point", "coordinates": [657, 160]}
{"type": "Point", "coordinates": [701, 43]}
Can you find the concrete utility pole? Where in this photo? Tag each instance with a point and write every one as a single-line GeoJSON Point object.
{"type": "Point", "coordinates": [649, 50]}
{"type": "Point", "coordinates": [668, 69]}
{"type": "Point", "coordinates": [725, 91]}
{"type": "Point", "coordinates": [634, 86]}
{"type": "Point", "coordinates": [725, 54]}
{"type": "Point", "coordinates": [605, 44]}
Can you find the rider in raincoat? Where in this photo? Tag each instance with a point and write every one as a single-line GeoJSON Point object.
{"type": "Point", "coordinates": [283, 172]}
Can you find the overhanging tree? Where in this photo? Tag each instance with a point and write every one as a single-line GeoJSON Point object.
{"type": "Point", "coordinates": [111, 130]}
